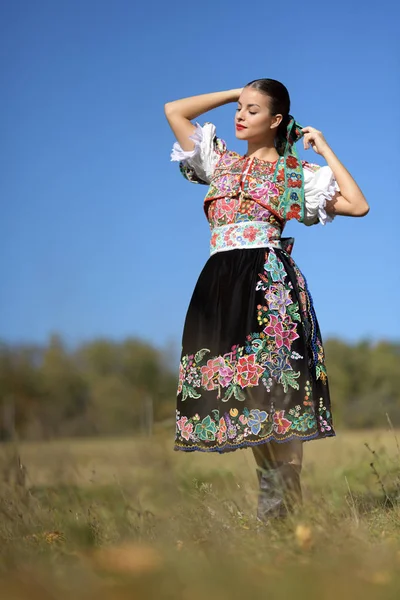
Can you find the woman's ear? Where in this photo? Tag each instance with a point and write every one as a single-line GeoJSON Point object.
{"type": "Point", "coordinates": [276, 121]}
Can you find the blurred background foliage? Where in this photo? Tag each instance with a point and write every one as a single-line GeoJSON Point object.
{"type": "Point", "coordinates": [115, 388]}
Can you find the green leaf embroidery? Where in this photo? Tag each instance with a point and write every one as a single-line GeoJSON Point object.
{"type": "Point", "coordinates": [320, 369]}
{"type": "Point", "coordinates": [189, 391]}
{"type": "Point", "coordinates": [238, 393]}
{"type": "Point", "coordinates": [266, 429]}
{"type": "Point", "coordinates": [193, 393]}
{"type": "Point", "coordinates": [200, 355]}
{"type": "Point", "coordinates": [229, 393]}
{"type": "Point", "coordinates": [215, 413]}
{"type": "Point", "coordinates": [288, 378]}
{"type": "Point", "coordinates": [293, 310]}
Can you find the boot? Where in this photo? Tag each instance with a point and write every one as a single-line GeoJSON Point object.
{"type": "Point", "coordinates": [280, 491]}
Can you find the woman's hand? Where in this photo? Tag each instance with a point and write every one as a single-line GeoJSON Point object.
{"type": "Point", "coordinates": [237, 93]}
{"type": "Point", "coordinates": [180, 113]}
{"type": "Point", "coordinates": [315, 139]}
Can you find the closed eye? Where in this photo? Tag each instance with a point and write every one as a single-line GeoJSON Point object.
{"type": "Point", "coordinates": [250, 112]}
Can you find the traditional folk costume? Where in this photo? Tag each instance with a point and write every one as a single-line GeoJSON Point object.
{"type": "Point", "coordinates": [252, 368]}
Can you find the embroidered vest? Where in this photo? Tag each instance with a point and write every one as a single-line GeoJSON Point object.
{"type": "Point", "coordinates": [254, 178]}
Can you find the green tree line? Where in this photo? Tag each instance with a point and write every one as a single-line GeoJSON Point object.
{"type": "Point", "coordinates": [109, 388]}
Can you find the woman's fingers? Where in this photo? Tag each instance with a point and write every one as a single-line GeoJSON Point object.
{"type": "Point", "coordinates": [307, 139]}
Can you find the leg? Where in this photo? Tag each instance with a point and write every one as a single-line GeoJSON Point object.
{"type": "Point", "coordinates": [278, 470]}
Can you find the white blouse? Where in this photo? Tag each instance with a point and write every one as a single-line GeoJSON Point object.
{"type": "Point", "coordinates": [320, 185]}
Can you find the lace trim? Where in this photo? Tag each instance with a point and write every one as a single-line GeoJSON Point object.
{"type": "Point", "coordinates": [178, 155]}
{"type": "Point", "coordinates": [323, 197]}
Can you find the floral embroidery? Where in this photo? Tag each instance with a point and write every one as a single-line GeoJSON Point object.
{"type": "Point", "coordinates": [225, 210]}
{"type": "Point", "coordinates": [284, 331]}
{"type": "Point", "coordinates": [181, 378]}
{"type": "Point", "coordinates": [248, 371]}
{"type": "Point", "coordinates": [221, 434]}
{"type": "Point", "coordinates": [275, 267]}
{"type": "Point", "coordinates": [235, 176]}
{"type": "Point", "coordinates": [281, 425]}
{"type": "Point", "coordinates": [184, 427]}
{"type": "Point", "coordinates": [294, 212]}
{"type": "Point", "coordinates": [247, 426]}
{"type": "Point", "coordinates": [209, 371]}
{"type": "Point", "coordinates": [206, 430]}
{"type": "Point", "coordinates": [255, 419]}
{"type": "Point", "coordinates": [292, 162]}
{"type": "Point", "coordinates": [250, 233]}
{"type": "Point", "coordinates": [247, 206]}
{"type": "Point", "coordinates": [268, 358]}
{"type": "Point", "coordinates": [324, 417]}
{"type": "Point", "coordinates": [268, 353]}
{"type": "Point", "coordinates": [247, 234]}
{"type": "Point", "coordinates": [278, 298]}
{"type": "Point", "coordinates": [264, 192]}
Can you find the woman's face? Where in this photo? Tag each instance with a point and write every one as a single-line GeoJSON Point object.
{"type": "Point", "coordinates": [253, 120]}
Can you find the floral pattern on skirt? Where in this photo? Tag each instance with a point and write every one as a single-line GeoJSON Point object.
{"type": "Point", "coordinates": [252, 367]}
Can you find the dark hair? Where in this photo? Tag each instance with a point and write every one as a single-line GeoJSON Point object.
{"type": "Point", "coordinates": [279, 100]}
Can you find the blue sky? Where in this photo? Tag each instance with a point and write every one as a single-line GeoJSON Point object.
{"type": "Point", "coordinates": [101, 236]}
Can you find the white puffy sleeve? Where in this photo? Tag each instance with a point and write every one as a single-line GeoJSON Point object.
{"type": "Point", "coordinates": [198, 165]}
{"type": "Point", "coordinates": [320, 186]}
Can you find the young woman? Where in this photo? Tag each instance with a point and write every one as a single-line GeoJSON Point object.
{"type": "Point", "coordinates": [252, 371]}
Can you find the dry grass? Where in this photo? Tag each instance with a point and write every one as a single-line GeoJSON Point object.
{"type": "Point", "coordinates": [116, 519]}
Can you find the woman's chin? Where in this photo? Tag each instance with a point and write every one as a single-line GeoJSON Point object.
{"type": "Point", "coordinates": [241, 134]}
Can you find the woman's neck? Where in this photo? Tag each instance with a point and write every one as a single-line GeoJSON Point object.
{"type": "Point", "coordinates": [265, 151]}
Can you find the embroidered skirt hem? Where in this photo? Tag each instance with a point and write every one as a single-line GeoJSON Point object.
{"type": "Point", "coordinates": [250, 444]}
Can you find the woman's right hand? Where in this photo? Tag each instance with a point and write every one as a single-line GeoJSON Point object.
{"type": "Point", "coordinates": [237, 93]}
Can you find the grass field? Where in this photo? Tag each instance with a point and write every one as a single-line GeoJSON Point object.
{"type": "Point", "coordinates": [129, 518]}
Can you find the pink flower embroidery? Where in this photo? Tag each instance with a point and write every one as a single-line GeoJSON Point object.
{"type": "Point", "coordinates": [248, 371]}
{"type": "Point", "coordinates": [323, 424]}
{"type": "Point", "coordinates": [225, 375]}
{"type": "Point", "coordinates": [284, 331]}
{"type": "Point", "coordinates": [281, 425]}
{"type": "Point", "coordinates": [250, 233]}
{"type": "Point", "coordinates": [187, 430]}
{"type": "Point", "coordinates": [184, 427]}
{"type": "Point", "coordinates": [181, 377]}
{"type": "Point", "coordinates": [227, 236]}
{"type": "Point", "coordinates": [225, 209]}
{"type": "Point", "coordinates": [221, 435]}
{"type": "Point", "coordinates": [265, 192]}
{"type": "Point", "coordinates": [214, 238]}
{"type": "Point", "coordinates": [209, 371]}
{"type": "Point", "coordinates": [181, 423]}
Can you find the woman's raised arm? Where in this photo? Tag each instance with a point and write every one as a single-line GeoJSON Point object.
{"type": "Point", "coordinates": [350, 201]}
{"type": "Point", "coordinates": [180, 112]}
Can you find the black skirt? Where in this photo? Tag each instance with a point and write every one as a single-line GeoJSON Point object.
{"type": "Point", "coordinates": [252, 367]}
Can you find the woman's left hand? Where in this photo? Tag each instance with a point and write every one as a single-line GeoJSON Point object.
{"type": "Point", "coordinates": [315, 139]}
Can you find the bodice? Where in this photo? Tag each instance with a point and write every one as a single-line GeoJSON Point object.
{"type": "Point", "coordinates": [239, 209]}
{"type": "Point", "coordinates": [239, 183]}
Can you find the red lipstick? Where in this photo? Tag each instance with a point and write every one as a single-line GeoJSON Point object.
{"type": "Point", "coordinates": [240, 127]}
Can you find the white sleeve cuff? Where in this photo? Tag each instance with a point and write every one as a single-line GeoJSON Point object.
{"type": "Point", "coordinates": [179, 155]}
{"type": "Point", "coordinates": [319, 188]}
{"type": "Point", "coordinates": [203, 157]}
